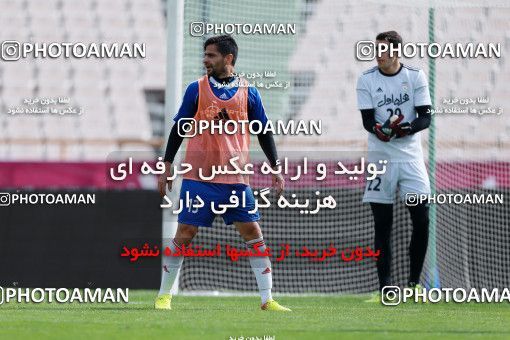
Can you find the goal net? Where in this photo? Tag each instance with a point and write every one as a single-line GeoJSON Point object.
{"type": "Point", "coordinates": [466, 153]}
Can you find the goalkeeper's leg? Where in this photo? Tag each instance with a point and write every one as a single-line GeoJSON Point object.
{"type": "Point", "coordinates": [383, 220]}
{"type": "Point", "coordinates": [419, 241]}
{"type": "Point", "coordinates": [261, 265]}
{"type": "Point", "coordinates": [172, 264]}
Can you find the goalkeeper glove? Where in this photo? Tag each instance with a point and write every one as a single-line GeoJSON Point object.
{"type": "Point", "coordinates": [390, 125]}
{"type": "Point", "coordinates": [389, 128]}
{"type": "Point", "coordinates": [380, 134]}
{"type": "Point", "coordinates": [403, 129]}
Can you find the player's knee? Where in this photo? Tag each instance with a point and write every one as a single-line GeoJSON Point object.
{"type": "Point", "coordinates": [382, 226]}
{"type": "Point", "coordinates": [420, 216]}
{"type": "Point", "coordinates": [382, 242]}
{"type": "Point", "coordinates": [185, 233]}
{"type": "Point", "coordinates": [424, 222]}
{"type": "Point", "coordinates": [249, 230]}
{"type": "Point", "coordinates": [383, 217]}
{"type": "Point", "coordinates": [253, 233]}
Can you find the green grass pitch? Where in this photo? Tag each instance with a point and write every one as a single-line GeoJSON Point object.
{"type": "Point", "coordinates": [196, 317]}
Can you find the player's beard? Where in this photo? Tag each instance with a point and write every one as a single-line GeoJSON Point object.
{"type": "Point", "coordinates": [384, 63]}
{"type": "Point", "coordinates": [209, 71]}
{"type": "Point", "coordinates": [212, 72]}
{"type": "Point", "coordinates": [217, 72]}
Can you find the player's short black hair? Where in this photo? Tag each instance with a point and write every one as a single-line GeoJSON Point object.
{"type": "Point", "coordinates": [226, 45]}
{"type": "Point", "coordinates": [391, 36]}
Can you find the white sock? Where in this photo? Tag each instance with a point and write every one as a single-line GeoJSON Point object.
{"type": "Point", "coordinates": [265, 294]}
{"type": "Point", "coordinates": [171, 267]}
{"type": "Point", "coordinates": [261, 267]}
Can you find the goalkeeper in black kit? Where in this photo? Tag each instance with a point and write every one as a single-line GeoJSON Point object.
{"type": "Point", "coordinates": [394, 101]}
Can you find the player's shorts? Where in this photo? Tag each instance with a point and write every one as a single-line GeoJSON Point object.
{"type": "Point", "coordinates": [409, 177]}
{"type": "Point", "coordinates": [218, 193]}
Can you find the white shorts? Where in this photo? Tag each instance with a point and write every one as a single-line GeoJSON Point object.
{"type": "Point", "coordinates": [410, 178]}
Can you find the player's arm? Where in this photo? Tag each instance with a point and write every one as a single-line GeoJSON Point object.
{"type": "Point", "coordinates": [367, 110]}
{"type": "Point", "coordinates": [368, 117]}
{"type": "Point", "coordinates": [266, 140]}
{"type": "Point", "coordinates": [187, 110]}
{"type": "Point", "coordinates": [267, 144]}
{"type": "Point", "coordinates": [422, 102]}
{"type": "Point", "coordinates": [369, 123]}
{"type": "Point", "coordinates": [422, 121]}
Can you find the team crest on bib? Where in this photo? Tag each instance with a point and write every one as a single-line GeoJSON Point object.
{"type": "Point", "coordinates": [211, 111]}
{"type": "Point", "coordinates": [405, 86]}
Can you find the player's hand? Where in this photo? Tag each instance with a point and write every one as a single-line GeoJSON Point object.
{"type": "Point", "coordinates": [163, 181]}
{"type": "Point", "coordinates": [403, 129]}
{"type": "Point", "coordinates": [278, 184]}
{"type": "Point", "coordinates": [395, 123]}
{"type": "Point", "coordinates": [380, 134]}
{"type": "Point", "coordinates": [390, 125]}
